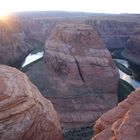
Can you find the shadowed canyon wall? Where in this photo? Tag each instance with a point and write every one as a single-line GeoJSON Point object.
{"type": "Point", "coordinates": [19, 37]}
{"type": "Point", "coordinates": [132, 49]}
{"type": "Point", "coordinates": [38, 29]}
{"type": "Point", "coordinates": [13, 45]}
{"type": "Point", "coordinates": [114, 33]}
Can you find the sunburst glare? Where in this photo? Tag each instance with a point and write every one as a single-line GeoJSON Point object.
{"type": "Point", "coordinates": [4, 14]}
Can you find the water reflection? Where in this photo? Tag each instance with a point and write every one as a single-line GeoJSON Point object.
{"type": "Point", "coordinates": [126, 77]}
{"type": "Point", "coordinates": [31, 58]}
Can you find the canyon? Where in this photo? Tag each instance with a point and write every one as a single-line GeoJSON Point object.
{"type": "Point", "coordinates": [21, 37]}
{"type": "Point", "coordinates": [24, 113]}
{"type": "Point", "coordinates": [28, 31]}
{"type": "Point", "coordinates": [76, 74]}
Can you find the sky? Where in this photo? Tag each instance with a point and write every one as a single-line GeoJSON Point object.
{"type": "Point", "coordinates": [98, 6]}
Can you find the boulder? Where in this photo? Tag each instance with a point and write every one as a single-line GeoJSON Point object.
{"type": "Point", "coordinates": [77, 74]}
{"type": "Point", "coordinates": [122, 122]}
{"type": "Point", "coordinates": [24, 113]}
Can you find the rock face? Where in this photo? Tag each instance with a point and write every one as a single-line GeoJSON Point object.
{"type": "Point", "coordinates": [74, 73]}
{"type": "Point", "coordinates": [132, 50]}
{"type": "Point", "coordinates": [24, 113]}
{"type": "Point", "coordinates": [122, 122]}
{"type": "Point", "coordinates": [133, 43]}
{"type": "Point", "coordinates": [114, 33]}
{"type": "Point", "coordinates": [13, 47]}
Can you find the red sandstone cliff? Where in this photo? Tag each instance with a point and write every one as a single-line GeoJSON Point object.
{"type": "Point", "coordinates": [122, 122]}
{"type": "Point", "coordinates": [77, 74]}
{"type": "Point", "coordinates": [24, 113]}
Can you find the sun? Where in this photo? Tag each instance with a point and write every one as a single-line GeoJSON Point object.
{"type": "Point", "coordinates": [4, 14]}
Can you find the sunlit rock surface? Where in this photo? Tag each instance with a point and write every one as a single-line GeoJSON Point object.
{"type": "Point", "coordinates": [24, 113]}
{"type": "Point", "coordinates": [122, 122]}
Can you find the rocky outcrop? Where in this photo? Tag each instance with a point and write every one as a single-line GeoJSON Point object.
{"type": "Point", "coordinates": [13, 46]}
{"type": "Point", "coordinates": [122, 122]}
{"type": "Point", "coordinates": [132, 50]}
{"type": "Point", "coordinates": [114, 33]}
{"type": "Point", "coordinates": [24, 113]}
{"type": "Point", "coordinates": [74, 73]}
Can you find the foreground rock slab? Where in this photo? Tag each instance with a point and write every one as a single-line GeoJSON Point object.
{"type": "Point", "coordinates": [122, 122]}
{"type": "Point", "coordinates": [24, 113]}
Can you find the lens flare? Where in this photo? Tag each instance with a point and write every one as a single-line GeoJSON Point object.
{"type": "Point", "coordinates": [4, 14]}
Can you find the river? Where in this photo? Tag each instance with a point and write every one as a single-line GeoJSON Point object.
{"type": "Point", "coordinates": [126, 77]}
{"type": "Point", "coordinates": [32, 57]}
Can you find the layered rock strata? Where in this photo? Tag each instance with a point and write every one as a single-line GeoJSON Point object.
{"type": "Point", "coordinates": [114, 33]}
{"type": "Point", "coordinates": [24, 113]}
{"type": "Point", "coordinates": [122, 122]}
{"type": "Point", "coordinates": [83, 79]}
{"type": "Point", "coordinates": [132, 50]}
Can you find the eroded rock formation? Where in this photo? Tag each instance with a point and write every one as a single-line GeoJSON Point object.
{"type": "Point", "coordinates": [133, 44]}
{"type": "Point", "coordinates": [24, 113]}
{"type": "Point", "coordinates": [132, 50]}
{"type": "Point", "coordinates": [122, 122]}
{"type": "Point", "coordinates": [13, 47]}
{"type": "Point", "coordinates": [77, 74]}
{"type": "Point", "coordinates": [115, 33]}
{"type": "Point", "coordinates": [21, 35]}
